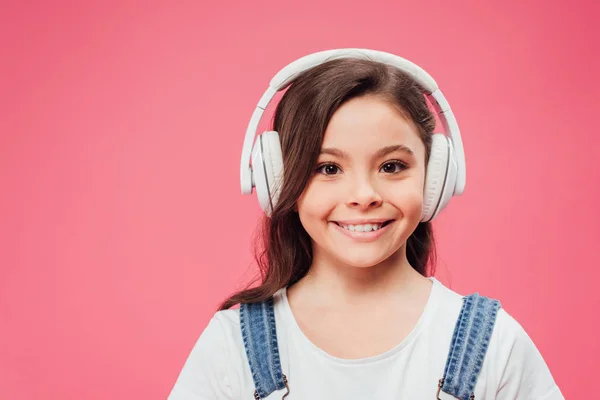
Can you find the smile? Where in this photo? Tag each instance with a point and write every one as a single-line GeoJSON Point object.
{"type": "Point", "coordinates": [364, 232]}
{"type": "Point", "coordinates": [363, 227]}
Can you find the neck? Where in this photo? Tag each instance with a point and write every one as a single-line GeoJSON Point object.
{"type": "Point", "coordinates": [336, 282]}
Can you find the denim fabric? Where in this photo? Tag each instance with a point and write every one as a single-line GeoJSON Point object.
{"type": "Point", "coordinates": [260, 341]}
{"type": "Point", "coordinates": [470, 341]}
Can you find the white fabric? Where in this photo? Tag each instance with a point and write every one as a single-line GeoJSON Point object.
{"type": "Point", "coordinates": [217, 367]}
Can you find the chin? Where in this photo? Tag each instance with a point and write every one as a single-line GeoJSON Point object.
{"type": "Point", "coordinates": [363, 259]}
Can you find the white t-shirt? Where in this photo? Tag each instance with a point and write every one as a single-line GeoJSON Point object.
{"type": "Point", "coordinates": [217, 367]}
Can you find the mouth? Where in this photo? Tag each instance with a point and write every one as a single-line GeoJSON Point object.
{"type": "Point", "coordinates": [366, 227]}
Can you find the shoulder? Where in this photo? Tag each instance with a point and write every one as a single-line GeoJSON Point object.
{"type": "Point", "coordinates": [212, 368]}
{"type": "Point", "coordinates": [224, 331]}
{"type": "Point", "coordinates": [517, 364]}
{"type": "Point", "coordinates": [511, 341]}
{"type": "Point", "coordinates": [508, 338]}
{"type": "Point", "coordinates": [507, 331]}
{"type": "Point", "coordinates": [227, 320]}
{"type": "Point", "coordinates": [512, 362]}
{"type": "Point", "coordinates": [221, 331]}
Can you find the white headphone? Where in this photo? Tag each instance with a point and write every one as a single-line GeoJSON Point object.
{"type": "Point", "coordinates": [446, 169]}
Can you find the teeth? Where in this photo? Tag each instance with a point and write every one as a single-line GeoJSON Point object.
{"type": "Point", "coordinates": [362, 228]}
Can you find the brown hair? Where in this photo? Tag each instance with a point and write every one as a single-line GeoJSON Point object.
{"type": "Point", "coordinates": [284, 251]}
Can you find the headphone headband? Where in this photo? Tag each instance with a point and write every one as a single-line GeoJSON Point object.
{"type": "Point", "coordinates": [292, 70]}
{"type": "Point", "coordinates": [287, 74]}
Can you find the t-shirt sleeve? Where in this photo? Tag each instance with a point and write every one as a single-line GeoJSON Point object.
{"type": "Point", "coordinates": [525, 375]}
{"type": "Point", "coordinates": [205, 374]}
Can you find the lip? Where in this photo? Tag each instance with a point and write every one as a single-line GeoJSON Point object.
{"type": "Point", "coordinates": [363, 236]}
{"type": "Point", "coordinates": [363, 221]}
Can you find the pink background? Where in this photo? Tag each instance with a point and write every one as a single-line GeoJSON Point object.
{"type": "Point", "coordinates": [121, 220]}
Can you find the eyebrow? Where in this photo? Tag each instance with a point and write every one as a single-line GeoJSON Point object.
{"type": "Point", "coordinates": [380, 153]}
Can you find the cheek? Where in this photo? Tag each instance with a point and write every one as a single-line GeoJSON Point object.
{"type": "Point", "coordinates": [315, 202]}
{"type": "Point", "coordinates": [408, 198]}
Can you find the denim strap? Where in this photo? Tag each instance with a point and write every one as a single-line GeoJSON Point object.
{"type": "Point", "coordinates": [469, 345]}
{"type": "Point", "coordinates": [257, 321]}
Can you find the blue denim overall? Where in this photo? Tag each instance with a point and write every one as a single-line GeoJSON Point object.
{"type": "Point", "coordinates": [470, 340]}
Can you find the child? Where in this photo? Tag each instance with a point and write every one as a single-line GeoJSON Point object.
{"type": "Point", "coordinates": [348, 307]}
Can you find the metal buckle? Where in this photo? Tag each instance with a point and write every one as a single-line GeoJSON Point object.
{"type": "Point", "coordinates": [441, 383]}
{"type": "Point", "coordinates": [257, 397]}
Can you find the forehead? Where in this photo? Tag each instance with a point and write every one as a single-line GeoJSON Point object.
{"type": "Point", "coordinates": [365, 124]}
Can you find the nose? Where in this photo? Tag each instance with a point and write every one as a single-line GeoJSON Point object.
{"type": "Point", "coordinates": [363, 195]}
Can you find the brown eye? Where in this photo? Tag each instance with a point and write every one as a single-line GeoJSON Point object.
{"type": "Point", "coordinates": [328, 169]}
{"type": "Point", "coordinates": [393, 167]}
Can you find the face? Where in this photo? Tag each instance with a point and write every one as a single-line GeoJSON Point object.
{"type": "Point", "coordinates": [365, 197]}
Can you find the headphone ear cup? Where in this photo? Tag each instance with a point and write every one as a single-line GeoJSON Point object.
{"type": "Point", "coordinates": [451, 177]}
{"type": "Point", "coordinates": [435, 178]}
{"type": "Point", "coordinates": [267, 170]}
